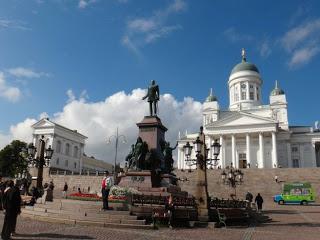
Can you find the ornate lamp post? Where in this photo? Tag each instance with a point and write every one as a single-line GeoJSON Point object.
{"type": "Point", "coordinates": [42, 159]}
{"type": "Point", "coordinates": [116, 137]}
{"type": "Point", "coordinates": [202, 161]}
{"type": "Point", "coordinates": [232, 178]}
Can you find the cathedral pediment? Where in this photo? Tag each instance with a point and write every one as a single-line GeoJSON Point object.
{"type": "Point", "coordinates": [237, 119]}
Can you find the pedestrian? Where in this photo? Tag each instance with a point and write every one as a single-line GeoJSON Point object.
{"type": "Point", "coordinates": [249, 196]}
{"type": "Point", "coordinates": [11, 204]}
{"type": "Point", "coordinates": [259, 201]}
{"type": "Point", "coordinates": [169, 206]}
{"type": "Point", "coordinates": [106, 184]}
{"type": "Point", "coordinates": [65, 190]}
{"type": "Point", "coordinates": [2, 188]}
{"type": "Point", "coordinates": [17, 197]}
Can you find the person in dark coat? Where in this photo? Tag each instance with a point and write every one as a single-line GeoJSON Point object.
{"type": "Point", "coordinates": [259, 201]}
{"type": "Point", "coordinates": [2, 188]}
{"type": "Point", "coordinates": [11, 205]}
{"type": "Point", "coordinates": [249, 196]}
{"type": "Point", "coordinates": [17, 197]}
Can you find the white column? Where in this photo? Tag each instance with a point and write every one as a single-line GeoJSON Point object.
{"type": "Point", "coordinates": [313, 154]}
{"type": "Point", "coordinates": [222, 152]}
{"type": "Point", "coordinates": [261, 152]}
{"type": "Point", "coordinates": [248, 91]}
{"type": "Point", "coordinates": [274, 150]}
{"type": "Point", "coordinates": [289, 155]}
{"type": "Point", "coordinates": [233, 149]}
{"type": "Point", "coordinates": [248, 150]}
{"type": "Point", "coordinates": [210, 153]}
{"type": "Point", "coordinates": [301, 165]}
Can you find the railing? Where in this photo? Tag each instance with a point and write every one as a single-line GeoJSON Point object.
{"type": "Point", "coordinates": [162, 200]}
{"type": "Point", "coordinates": [85, 172]}
{"type": "Point", "coordinates": [228, 203]}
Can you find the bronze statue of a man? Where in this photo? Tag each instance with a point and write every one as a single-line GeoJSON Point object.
{"type": "Point", "coordinates": [153, 96]}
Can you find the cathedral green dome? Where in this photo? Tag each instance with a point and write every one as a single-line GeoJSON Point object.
{"type": "Point", "coordinates": [244, 66]}
{"type": "Point", "coordinates": [211, 97]}
{"type": "Point", "coordinates": [276, 91]}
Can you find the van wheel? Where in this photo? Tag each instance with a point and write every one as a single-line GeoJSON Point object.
{"type": "Point", "coordinates": [304, 202]}
{"type": "Point", "coordinates": [281, 202]}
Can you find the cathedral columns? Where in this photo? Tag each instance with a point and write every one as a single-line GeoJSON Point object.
{"type": "Point", "coordinates": [261, 152]}
{"type": "Point", "coordinates": [274, 151]}
{"type": "Point", "coordinates": [289, 155]}
{"type": "Point", "coordinates": [248, 150]}
{"type": "Point", "coordinates": [222, 152]}
{"type": "Point", "coordinates": [233, 150]}
{"type": "Point", "coordinates": [313, 154]}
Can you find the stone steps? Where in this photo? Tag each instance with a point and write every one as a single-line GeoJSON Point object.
{"type": "Point", "coordinates": [86, 222]}
{"type": "Point", "coordinates": [82, 213]}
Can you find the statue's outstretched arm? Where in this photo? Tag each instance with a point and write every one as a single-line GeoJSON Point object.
{"type": "Point", "coordinates": [175, 146]}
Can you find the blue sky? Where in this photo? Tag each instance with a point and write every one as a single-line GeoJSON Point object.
{"type": "Point", "coordinates": [53, 52]}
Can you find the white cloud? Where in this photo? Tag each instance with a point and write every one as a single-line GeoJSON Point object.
{"type": "Point", "coordinates": [6, 23]}
{"type": "Point", "coordinates": [26, 73]}
{"type": "Point", "coordinates": [142, 31]}
{"type": "Point", "coordinates": [234, 36]}
{"type": "Point", "coordinates": [303, 55]}
{"type": "Point", "coordinates": [11, 94]}
{"type": "Point", "coordinates": [71, 96]}
{"type": "Point", "coordinates": [99, 120]}
{"type": "Point", "coordinates": [85, 3]}
{"type": "Point", "coordinates": [301, 42]}
{"type": "Point", "coordinates": [265, 49]}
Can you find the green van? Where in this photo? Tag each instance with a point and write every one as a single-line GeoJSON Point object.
{"type": "Point", "coordinates": [296, 193]}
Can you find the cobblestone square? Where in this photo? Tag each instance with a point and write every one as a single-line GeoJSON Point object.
{"type": "Point", "coordinates": [287, 222]}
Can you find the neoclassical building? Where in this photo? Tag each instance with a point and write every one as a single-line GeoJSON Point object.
{"type": "Point", "coordinates": [253, 134]}
{"type": "Point", "coordinates": [68, 148]}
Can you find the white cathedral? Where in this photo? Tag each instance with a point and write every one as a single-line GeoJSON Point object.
{"type": "Point", "coordinates": [251, 134]}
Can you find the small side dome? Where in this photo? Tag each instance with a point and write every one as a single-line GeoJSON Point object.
{"type": "Point", "coordinates": [244, 65]}
{"type": "Point", "coordinates": [276, 91]}
{"type": "Point", "coordinates": [211, 97]}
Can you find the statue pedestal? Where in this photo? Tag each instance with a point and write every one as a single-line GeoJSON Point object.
{"type": "Point", "coordinates": [152, 131]}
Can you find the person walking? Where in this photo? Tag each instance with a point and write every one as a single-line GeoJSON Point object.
{"type": "Point", "coordinates": [259, 201]}
{"type": "Point", "coordinates": [65, 190]}
{"type": "Point", "coordinates": [11, 205]}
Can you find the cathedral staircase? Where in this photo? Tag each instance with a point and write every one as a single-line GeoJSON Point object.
{"type": "Point", "coordinates": [87, 213]}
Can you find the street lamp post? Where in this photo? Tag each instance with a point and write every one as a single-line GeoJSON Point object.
{"type": "Point", "coordinates": [41, 160]}
{"type": "Point", "coordinates": [232, 178]}
{"type": "Point", "coordinates": [116, 137]}
{"type": "Point", "coordinates": [202, 161]}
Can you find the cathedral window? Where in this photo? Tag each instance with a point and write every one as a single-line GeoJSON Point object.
{"type": "Point", "coordinates": [243, 91]}
{"type": "Point", "coordinates": [251, 92]}
{"type": "Point", "coordinates": [251, 95]}
{"type": "Point", "coordinates": [236, 95]}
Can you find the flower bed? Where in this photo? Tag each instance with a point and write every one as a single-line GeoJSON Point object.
{"type": "Point", "coordinates": [120, 194]}
{"type": "Point", "coordinates": [84, 196]}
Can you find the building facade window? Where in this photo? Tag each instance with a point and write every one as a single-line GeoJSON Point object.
{"type": "Point", "coordinates": [243, 91]}
{"type": "Point", "coordinates": [75, 165]}
{"type": "Point", "coordinates": [66, 163]}
{"type": "Point", "coordinates": [294, 149]}
{"type": "Point", "coordinates": [75, 151]}
{"type": "Point", "coordinates": [57, 161]}
{"type": "Point", "coordinates": [251, 92]}
{"type": "Point", "coordinates": [67, 152]}
{"type": "Point", "coordinates": [58, 149]}
{"type": "Point", "coordinates": [258, 94]}
{"type": "Point", "coordinates": [295, 163]}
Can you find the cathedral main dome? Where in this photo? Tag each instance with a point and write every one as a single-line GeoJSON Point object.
{"type": "Point", "coordinates": [244, 66]}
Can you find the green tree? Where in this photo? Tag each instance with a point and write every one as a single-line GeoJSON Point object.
{"type": "Point", "coordinates": [12, 159]}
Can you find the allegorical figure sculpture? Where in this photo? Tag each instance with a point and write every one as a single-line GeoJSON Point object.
{"type": "Point", "coordinates": [153, 96]}
{"type": "Point", "coordinates": [168, 160]}
{"type": "Point", "coordinates": [130, 157]}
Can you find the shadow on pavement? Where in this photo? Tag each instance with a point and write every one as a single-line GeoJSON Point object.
{"type": "Point", "coordinates": [51, 235]}
{"type": "Point", "coordinates": [304, 224]}
{"type": "Point", "coordinates": [280, 212]}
